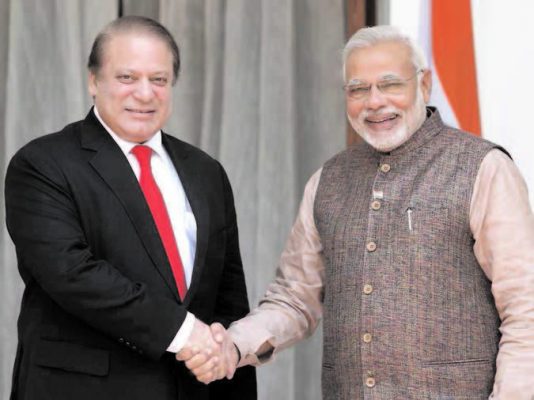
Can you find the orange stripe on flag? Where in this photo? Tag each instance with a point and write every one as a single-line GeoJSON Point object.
{"type": "Point", "coordinates": [454, 57]}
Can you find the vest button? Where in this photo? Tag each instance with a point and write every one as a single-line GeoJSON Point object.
{"type": "Point", "coordinates": [370, 382]}
{"type": "Point", "coordinates": [375, 205]}
{"type": "Point", "coordinates": [371, 246]}
{"type": "Point", "coordinates": [367, 337]}
{"type": "Point", "coordinates": [368, 289]}
{"type": "Point", "coordinates": [385, 168]}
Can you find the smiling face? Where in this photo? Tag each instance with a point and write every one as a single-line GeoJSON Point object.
{"type": "Point", "coordinates": [133, 88]}
{"type": "Point", "coordinates": [386, 121]}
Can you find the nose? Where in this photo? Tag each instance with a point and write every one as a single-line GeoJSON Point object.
{"type": "Point", "coordinates": [143, 90]}
{"type": "Point", "coordinates": [375, 99]}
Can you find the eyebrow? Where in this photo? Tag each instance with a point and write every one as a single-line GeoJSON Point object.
{"type": "Point", "coordinates": [389, 76]}
{"type": "Point", "coordinates": [133, 71]}
{"type": "Point", "coordinates": [357, 81]}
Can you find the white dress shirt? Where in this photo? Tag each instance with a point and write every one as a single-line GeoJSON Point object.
{"type": "Point", "coordinates": [182, 219]}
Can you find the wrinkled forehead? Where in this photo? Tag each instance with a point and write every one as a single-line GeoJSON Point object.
{"type": "Point", "coordinates": [135, 34]}
{"type": "Point", "coordinates": [379, 61]}
{"type": "Point", "coordinates": [122, 39]}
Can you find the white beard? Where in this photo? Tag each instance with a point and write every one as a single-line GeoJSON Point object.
{"type": "Point", "coordinates": [412, 121]}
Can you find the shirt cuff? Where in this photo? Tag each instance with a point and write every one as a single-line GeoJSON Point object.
{"type": "Point", "coordinates": [249, 339]}
{"type": "Point", "coordinates": [183, 334]}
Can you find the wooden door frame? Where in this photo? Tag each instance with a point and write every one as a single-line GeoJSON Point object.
{"type": "Point", "coordinates": [359, 13]}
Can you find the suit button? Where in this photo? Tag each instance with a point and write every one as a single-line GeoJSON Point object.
{"type": "Point", "coordinates": [371, 246]}
{"type": "Point", "coordinates": [367, 289]}
{"type": "Point", "coordinates": [367, 337]}
{"type": "Point", "coordinates": [121, 340]}
{"type": "Point", "coordinates": [370, 382]}
{"type": "Point", "coordinates": [127, 344]}
{"type": "Point", "coordinates": [385, 168]}
{"type": "Point", "coordinates": [134, 347]}
{"type": "Point", "coordinates": [375, 205]}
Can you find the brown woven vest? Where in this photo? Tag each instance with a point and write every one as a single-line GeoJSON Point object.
{"type": "Point", "coordinates": [408, 312]}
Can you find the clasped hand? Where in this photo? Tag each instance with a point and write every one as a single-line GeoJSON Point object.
{"type": "Point", "coordinates": [209, 353]}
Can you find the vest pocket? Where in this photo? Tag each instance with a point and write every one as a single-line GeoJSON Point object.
{"type": "Point", "coordinates": [72, 357]}
{"type": "Point", "coordinates": [426, 221]}
{"type": "Point", "coordinates": [432, 363]}
{"type": "Point", "coordinates": [468, 378]}
{"type": "Point", "coordinates": [444, 288]}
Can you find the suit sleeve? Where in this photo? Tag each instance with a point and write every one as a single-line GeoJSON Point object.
{"type": "Point", "coordinates": [44, 223]}
{"type": "Point", "coordinates": [232, 300]}
{"type": "Point", "coordinates": [232, 303]}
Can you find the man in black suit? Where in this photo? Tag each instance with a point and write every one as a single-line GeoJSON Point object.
{"type": "Point", "coordinates": [126, 240]}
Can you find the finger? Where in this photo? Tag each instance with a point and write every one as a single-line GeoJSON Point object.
{"type": "Point", "coordinates": [184, 355]}
{"type": "Point", "coordinates": [218, 332]}
{"type": "Point", "coordinates": [187, 353]}
{"type": "Point", "coordinates": [230, 368]}
{"type": "Point", "coordinates": [220, 374]}
{"type": "Point", "coordinates": [209, 377]}
{"type": "Point", "coordinates": [196, 361]}
{"type": "Point", "coordinates": [232, 359]}
{"type": "Point", "coordinates": [206, 379]}
{"type": "Point", "coordinates": [209, 366]}
{"type": "Point", "coordinates": [215, 350]}
{"type": "Point", "coordinates": [208, 350]}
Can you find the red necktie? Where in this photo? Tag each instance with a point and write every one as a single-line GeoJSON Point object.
{"type": "Point", "coordinates": [161, 217]}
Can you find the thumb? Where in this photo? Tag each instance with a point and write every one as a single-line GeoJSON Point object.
{"type": "Point", "coordinates": [230, 374]}
{"type": "Point", "coordinates": [218, 332]}
{"type": "Point", "coordinates": [184, 354]}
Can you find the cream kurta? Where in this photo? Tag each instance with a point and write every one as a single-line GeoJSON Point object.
{"type": "Point", "coordinates": [502, 224]}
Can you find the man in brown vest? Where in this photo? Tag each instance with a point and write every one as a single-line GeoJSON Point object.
{"type": "Point", "coordinates": [415, 245]}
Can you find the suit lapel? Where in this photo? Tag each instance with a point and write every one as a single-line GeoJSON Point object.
{"type": "Point", "coordinates": [113, 167]}
{"type": "Point", "coordinates": [187, 171]}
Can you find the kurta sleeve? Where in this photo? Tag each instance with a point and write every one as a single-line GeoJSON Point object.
{"type": "Point", "coordinates": [503, 227]}
{"type": "Point", "coordinates": [292, 306]}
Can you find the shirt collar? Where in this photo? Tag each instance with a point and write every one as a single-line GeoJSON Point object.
{"type": "Point", "coordinates": [126, 146]}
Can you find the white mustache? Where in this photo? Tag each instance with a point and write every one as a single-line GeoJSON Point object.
{"type": "Point", "coordinates": [382, 113]}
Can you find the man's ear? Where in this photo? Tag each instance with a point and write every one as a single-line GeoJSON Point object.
{"type": "Point", "coordinates": [426, 85]}
{"type": "Point", "coordinates": [91, 84]}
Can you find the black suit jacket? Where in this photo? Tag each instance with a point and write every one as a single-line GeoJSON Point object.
{"type": "Point", "coordinates": [100, 305]}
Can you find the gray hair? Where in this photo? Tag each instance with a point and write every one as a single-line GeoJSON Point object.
{"type": "Point", "coordinates": [136, 24]}
{"type": "Point", "coordinates": [367, 37]}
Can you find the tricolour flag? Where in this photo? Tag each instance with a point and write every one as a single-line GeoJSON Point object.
{"type": "Point", "coordinates": [447, 36]}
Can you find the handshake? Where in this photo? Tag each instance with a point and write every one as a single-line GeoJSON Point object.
{"type": "Point", "coordinates": [210, 353]}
